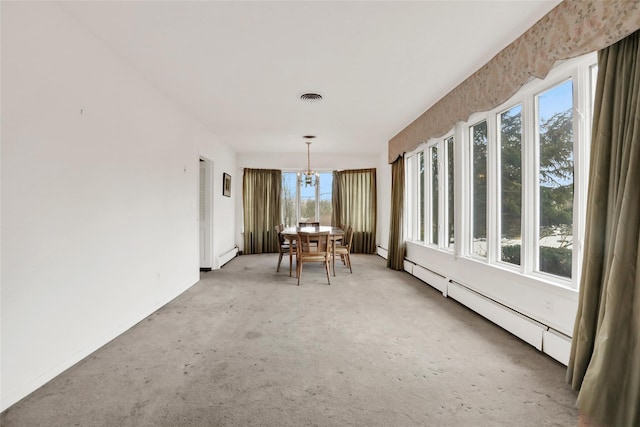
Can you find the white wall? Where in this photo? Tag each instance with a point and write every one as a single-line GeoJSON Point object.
{"type": "Point", "coordinates": [224, 208]}
{"type": "Point", "coordinates": [298, 161]}
{"type": "Point", "coordinates": [99, 196]}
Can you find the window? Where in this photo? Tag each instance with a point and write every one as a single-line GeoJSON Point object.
{"type": "Point", "coordinates": [411, 202]}
{"type": "Point", "coordinates": [306, 203]}
{"type": "Point", "coordinates": [325, 207]}
{"type": "Point", "coordinates": [421, 196]}
{"type": "Point", "coordinates": [433, 178]}
{"type": "Point", "coordinates": [416, 182]}
{"type": "Point", "coordinates": [450, 194]}
{"type": "Point", "coordinates": [289, 199]}
{"type": "Point", "coordinates": [479, 192]}
{"type": "Point", "coordinates": [510, 125]}
{"type": "Point", "coordinates": [524, 177]}
{"type": "Point", "coordinates": [430, 182]}
{"type": "Point", "coordinates": [554, 108]}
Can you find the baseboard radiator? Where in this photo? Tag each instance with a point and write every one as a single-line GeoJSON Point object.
{"type": "Point", "coordinates": [557, 345]}
{"type": "Point", "coordinates": [434, 279]}
{"type": "Point", "coordinates": [526, 329]}
{"type": "Point", "coordinates": [382, 252]}
{"type": "Point", "coordinates": [539, 335]}
{"type": "Point", "coordinates": [408, 266]}
{"type": "Point", "coordinates": [227, 256]}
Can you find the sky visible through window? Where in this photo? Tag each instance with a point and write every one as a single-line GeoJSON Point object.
{"type": "Point", "coordinates": [556, 100]}
{"type": "Point", "coordinates": [560, 98]}
{"type": "Point", "coordinates": [326, 183]}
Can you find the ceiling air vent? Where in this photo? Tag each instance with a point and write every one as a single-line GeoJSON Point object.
{"type": "Point", "coordinates": [311, 97]}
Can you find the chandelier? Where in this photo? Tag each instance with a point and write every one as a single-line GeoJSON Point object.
{"type": "Point", "coordinates": [308, 177]}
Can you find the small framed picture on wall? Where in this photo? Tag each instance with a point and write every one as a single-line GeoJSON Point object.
{"type": "Point", "coordinates": [226, 184]}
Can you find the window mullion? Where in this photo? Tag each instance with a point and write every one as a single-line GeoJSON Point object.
{"type": "Point", "coordinates": [431, 239]}
{"type": "Point", "coordinates": [461, 217]}
{"type": "Point", "coordinates": [406, 214]}
{"type": "Point", "coordinates": [416, 191]}
{"type": "Point", "coordinates": [426, 203]}
{"type": "Point", "coordinates": [582, 98]}
{"type": "Point", "coordinates": [317, 217]}
{"type": "Point", "coordinates": [443, 193]}
{"type": "Point", "coordinates": [530, 188]}
{"type": "Point", "coordinates": [298, 197]}
{"type": "Point", "coordinates": [493, 189]}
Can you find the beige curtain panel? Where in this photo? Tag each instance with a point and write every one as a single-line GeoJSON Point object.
{"type": "Point", "coordinates": [261, 190]}
{"type": "Point", "coordinates": [355, 204]}
{"type": "Point", "coordinates": [605, 353]}
{"type": "Point", "coordinates": [572, 28]}
{"type": "Point", "coordinates": [395, 258]}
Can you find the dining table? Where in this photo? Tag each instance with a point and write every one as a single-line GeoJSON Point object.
{"type": "Point", "coordinates": [335, 233]}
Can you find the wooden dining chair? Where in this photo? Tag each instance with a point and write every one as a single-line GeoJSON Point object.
{"type": "Point", "coordinates": [313, 247]}
{"type": "Point", "coordinates": [284, 245]}
{"type": "Point", "coordinates": [344, 249]}
{"type": "Point", "coordinates": [343, 227]}
{"type": "Point", "coordinates": [309, 224]}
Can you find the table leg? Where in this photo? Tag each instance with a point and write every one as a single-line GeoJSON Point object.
{"type": "Point", "coordinates": [333, 256]}
{"type": "Point", "coordinates": [290, 256]}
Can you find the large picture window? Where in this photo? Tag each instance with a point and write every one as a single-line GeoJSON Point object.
{"type": "Point", "coordinates": [306, 203]}
{"type": "Point", "coordinates": [524, 175]}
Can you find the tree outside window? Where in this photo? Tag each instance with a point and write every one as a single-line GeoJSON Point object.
{"type": "Point", "coordinates": [511, 185]}
{"type": "Point", "coordinates": [555, 179]}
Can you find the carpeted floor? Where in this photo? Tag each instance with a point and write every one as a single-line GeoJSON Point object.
{"type": "Point", "coordinates": [246, 346]}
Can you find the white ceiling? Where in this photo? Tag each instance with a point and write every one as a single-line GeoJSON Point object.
{"type": "Point", "coordinates": [240, 67]}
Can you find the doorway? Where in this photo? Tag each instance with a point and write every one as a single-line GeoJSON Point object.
{"type": "Point", "coordinates": [205, 208]}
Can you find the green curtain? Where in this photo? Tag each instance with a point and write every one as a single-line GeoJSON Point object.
{"type": "Point", "coordinates": [605, 352]}
{"type": "Point", "coordinates": [354, 203]}
{"type": "Point", "coordinates": [261, 191]}
{"type": "Point", "coordinates": [336, 206]}
{"type": "Point", "coordinates": [395, 259]}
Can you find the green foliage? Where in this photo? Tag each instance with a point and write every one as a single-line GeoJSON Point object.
{"type": "Point", "coordinates": [308, 209]}
{"type": "Point", "coordinates": [552, 260]}
{"type": "Point", "coordinates": [511, 254]}
{"type": "Point", "coordinates": [556, 261]}
{"type": "Point", "coordinates": [556, 205]}
{"type": "Point", "coordinates": [480, 180]}
{"type": "Point", "coordinates": [556, 187]}
{"type": "Point", "coordinates": [556, 171]}
{"type": "Point", "coordinates": [556, 149]}
{"type": "Point", "coordinates": [434, 195]}
{"type": "Point", "coordinates": [511, 169]}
